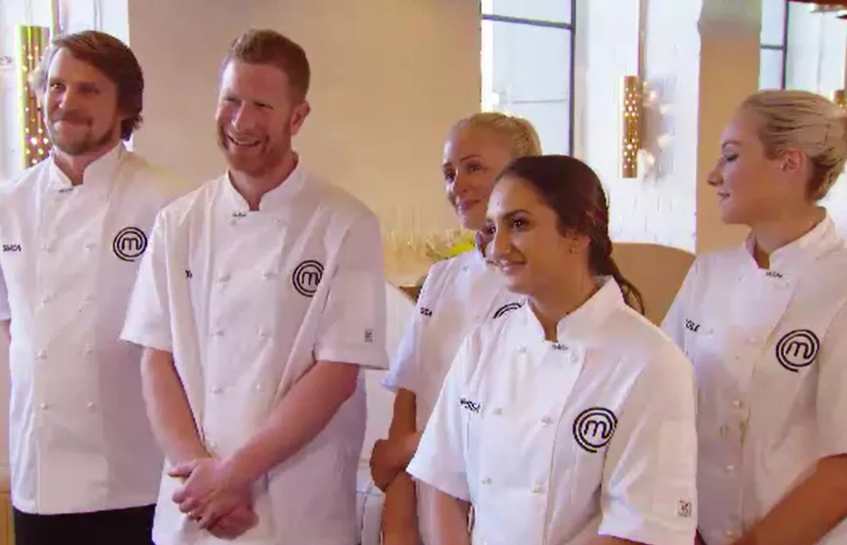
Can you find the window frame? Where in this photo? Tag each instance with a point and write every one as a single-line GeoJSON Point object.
{"type": "Point", "coordinates": [782, 48]}
{"type": "Point", "coordinates": [569, 27]}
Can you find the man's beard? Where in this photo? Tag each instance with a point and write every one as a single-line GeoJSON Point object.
{"type": "Point", "coordinates": [81, 145]}
{"type": "Point", "coordinates": [261, 161]}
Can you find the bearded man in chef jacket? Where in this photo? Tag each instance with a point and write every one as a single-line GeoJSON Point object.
{"type": "Point", "coordinates": [73, 228]}
{"type": "Point", "coordinates": [260, 299]}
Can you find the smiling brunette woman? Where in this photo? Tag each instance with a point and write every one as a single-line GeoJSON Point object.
{"type": "Point", "coordinates": [569, 420]}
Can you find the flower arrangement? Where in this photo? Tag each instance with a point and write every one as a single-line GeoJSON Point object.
{"type": "Point", "coordinates": [453, 243]}
{"type": "Point", "coordinates": [408, 257]}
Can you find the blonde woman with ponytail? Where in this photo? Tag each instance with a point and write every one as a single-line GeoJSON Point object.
{"type": "Point", "coordinates": [765, 326]}
{"type": "Point", "coordinates": [459, 294]}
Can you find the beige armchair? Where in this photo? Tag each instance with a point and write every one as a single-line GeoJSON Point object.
{"type": "Point", "coordinates": [657, 271]}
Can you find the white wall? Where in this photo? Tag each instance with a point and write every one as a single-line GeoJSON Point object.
{"type": "Point", "coordinates": [663, 204]}
{"type": "Point", "coordinates": [389, 78]}
{"type": "Point", "coordinates": [673, 113]}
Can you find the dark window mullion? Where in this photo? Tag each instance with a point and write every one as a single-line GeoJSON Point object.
{"type": "Point", "coordinates": [530, 22]}
{"type": "Point", "coordinates": [572, 84]}
{"type": "Point", "coordinates": [570, 27]}
{"type": "Point", "coordinates": [785, 46]}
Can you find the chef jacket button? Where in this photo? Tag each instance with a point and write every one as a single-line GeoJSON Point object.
{"type": "Point", "coordinates": [546, 420]}
{"type": "Point", "coordinates": [47, 248]}
{"type": "Point", "coordinates": [498, 411]}
{"type": "Point", "coordinates": [258, 386]}
{"type": "Point", "coordinates": [730, 468]}
{"type": "Point", "coordinates": [212, 444]}
{"type": "Point", "coordinates": [88, 350]}
{"type": "Point", "coordinates": [731, 534]}
{"type": "Point", "coordinates": [522, 350]}
{"type": "Point", "coordinates": [42, 355]}
{"type": "Point", "coordinates": [89, 246]}
{"type": "Point", "coordinates": [224, 278]}
{"type": "Point", "coordinates": [737, 404]}
{"type": "Point", "coordinates": [44, 406]}
{"type": "Point", "coordinates": [263, 333]}
{"type": "Point", "coordinates": [218, 333]}
{"type": "Point", "coordinates": [46, 298]}
{"type": "Point", "coordinates": [537, 489]}
{"type": "Point", "coordinates": [464, 268]}
{"type": "Point", "coordinates": [267, 275]}
{"type": "Point", "coordinates": [217, 390]}
{"type": "Point", "coordinates": [91, 406]}
{"type": "Point", "coordinates": [486, 480]}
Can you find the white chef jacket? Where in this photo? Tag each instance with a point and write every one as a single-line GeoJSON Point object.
{"type": "Point", "coordinates": [553, 443]}
{"type": "Point", "coordinates": [247, 302]}
{"type": "Point", "coordinates": [457, 296]}
{"type": "Point", "coordinates": [770, 356]}
{"type": "Point", "coordinates": [79, 436]}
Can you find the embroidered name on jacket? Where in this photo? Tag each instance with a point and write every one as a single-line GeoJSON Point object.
{"type": "Point", "coordinates": [11, 247]}
{"type": "Point", "coordinates": [469, 405]}
{"type": "Point", "coordinates": [129, 244]}
{"type": "Point", "coordinates": [692, 326]}
{"type": "Point", "coordinates": [797, 349]}
{"type": "Point", "coordinates": [594, 428]}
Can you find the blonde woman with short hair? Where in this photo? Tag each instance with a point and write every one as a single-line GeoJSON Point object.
{"type": "Point", "coordinates": [765, 326]}
{"type": "Point", "coordinates": [458, 294]}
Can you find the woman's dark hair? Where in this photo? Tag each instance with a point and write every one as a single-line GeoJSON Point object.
{"type": "Point", "coordinates": [575, 193]}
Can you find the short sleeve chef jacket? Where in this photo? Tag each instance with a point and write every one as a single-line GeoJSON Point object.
{"type": "Point", "coordinates": [247, 302]}
{"type": "Point", "coordinates": [553, 443]}
{"type": "Point", "coordinates": [770, 357]}
{"type": "Point", "coordinates": [79, 435]}
{"type": "Point", "coordinates": [458, 295]}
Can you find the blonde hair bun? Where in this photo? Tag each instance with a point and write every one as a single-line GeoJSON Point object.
{"type": "Point", "coordinates": [520, 133]}
{"type": "Point", "coordinates": [808, 122]}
